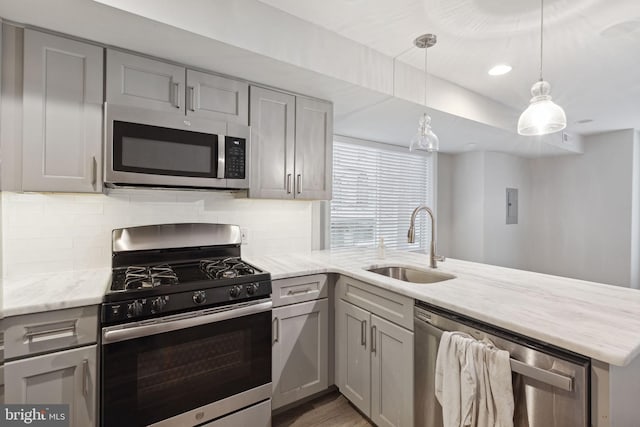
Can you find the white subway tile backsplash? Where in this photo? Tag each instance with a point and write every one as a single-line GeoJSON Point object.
{"type": "Point", "coordinates": [73, 231]}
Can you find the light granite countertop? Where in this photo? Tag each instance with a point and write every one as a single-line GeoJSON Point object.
{"type": "Point", "coordinates": [596, 320]}
{"type": "Point", "coordinates": [54, 291]}
{"type": "Point", "coordinates": [592, 319]}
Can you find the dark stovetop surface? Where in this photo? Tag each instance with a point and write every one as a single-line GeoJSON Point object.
{"type": "Point", "coordinates": [167, 278]}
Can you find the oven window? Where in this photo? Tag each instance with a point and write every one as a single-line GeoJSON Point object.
{"type": "Point", "coordinates": [163, 151]}
{"type": "Point", "coordinates": [149, 379]}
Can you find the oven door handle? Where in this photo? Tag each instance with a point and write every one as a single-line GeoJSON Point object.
{"type": "Point", "coordinates": [187, 320]}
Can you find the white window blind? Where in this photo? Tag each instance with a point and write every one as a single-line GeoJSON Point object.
{"type": "Point", "coordinates": [375, 189]}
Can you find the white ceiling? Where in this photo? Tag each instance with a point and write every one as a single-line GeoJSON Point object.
{"type": "Point", "coordinates": [591, 56]}
{"type": "Point", "coordinates": [344, 55]}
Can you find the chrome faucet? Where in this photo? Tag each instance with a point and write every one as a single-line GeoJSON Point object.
{"type": "Point", "coordinates": [411, 236]}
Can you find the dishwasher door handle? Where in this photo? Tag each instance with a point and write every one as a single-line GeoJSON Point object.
{"type": "Point", "coordinates": [551, 378]}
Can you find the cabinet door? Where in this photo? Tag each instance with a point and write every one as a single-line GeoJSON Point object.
{"type": "Point", "coordinates": [1, 385]}
{"type": "Point", "coordinates": [300, 351]}
{"type": "Point", "coordinates": [65, 377]}
{"type": "Point", "coordinates": [391, 374]}
{"type": "Point", "coordinates": [218, 98]}
{"type": "Point", "coordinates": [272, 120]}
{"type": "Point", "coordinates": [314, 149]}
{"type": "Point", "coordinates": [141, 82]}
{"type": "Point", "coordinates": [353, 366]}
{"type": "Point", "coordinates": [62, 107]}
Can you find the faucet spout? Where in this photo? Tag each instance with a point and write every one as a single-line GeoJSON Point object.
{"type": "Point", "coordinates": [411, 235]}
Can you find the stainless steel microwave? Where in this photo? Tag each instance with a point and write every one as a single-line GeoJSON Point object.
{"type": "Point", "coordinates": [159, 149]}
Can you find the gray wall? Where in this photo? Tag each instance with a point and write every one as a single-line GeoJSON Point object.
{"type": "Point", "coordinates": [578, 214]}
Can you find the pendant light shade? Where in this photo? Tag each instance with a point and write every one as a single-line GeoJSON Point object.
{"type": "Point", "coordinates": [425, 139]}
{"type": "Point", "coordinates": [542, 116]}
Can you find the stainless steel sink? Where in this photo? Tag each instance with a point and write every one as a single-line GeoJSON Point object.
{"type": "Point", "coordinates": [412, 275]}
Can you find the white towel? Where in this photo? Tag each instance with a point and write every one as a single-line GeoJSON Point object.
{"type": "Point", "coordinates": [455, 382]}
{"type": "Point", "coordinates": [473, 382]}
{"type": "Point", "coordinates": [498, 368]}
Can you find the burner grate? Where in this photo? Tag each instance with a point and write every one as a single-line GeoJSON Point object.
{"type": "Point", "coordinates": [226, 268]}
{"type": "Point", "coordinates": [149, 277]}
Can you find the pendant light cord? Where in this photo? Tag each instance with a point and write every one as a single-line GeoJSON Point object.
{"type": "Point", "coordinates": [426, 76]}
{"type": "Point", "coordinates": [541, 34]}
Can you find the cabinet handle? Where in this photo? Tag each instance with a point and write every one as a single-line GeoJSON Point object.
{"type": "Point", "coordinates": [29, 335]}
{"type": "Point", "coordinates": [299, 184]}
{"type": "Point", "coordinates": [192, 98]}
{"type": "Point", "coordinates": [94, 172]}
{"type": "Point", "coordinates": [288, 183]}
{"type": "Point", "coordinates": [176, 95]}
{"type": "Point", "coordinates": [299, 291]}
{"type": "Point", "coordinates": [374, 332]}
{"type": "Point", "coordinates": [85, 377]}
{"type": "Point", "coordinates": [276, 329]}
{"type": "Point", "coordinates": [363, 333]}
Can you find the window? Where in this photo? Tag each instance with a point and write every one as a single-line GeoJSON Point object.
{"type": "Point", "coordinates": [376, 187]}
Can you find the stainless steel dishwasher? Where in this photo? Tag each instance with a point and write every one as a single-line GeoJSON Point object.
{"type": "Point", "coordinates": [550, 386]}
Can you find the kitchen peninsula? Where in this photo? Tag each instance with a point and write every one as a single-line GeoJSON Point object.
{"type": "Point", "coordinates": [591, 319]}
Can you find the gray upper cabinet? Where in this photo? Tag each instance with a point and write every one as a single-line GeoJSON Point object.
{"type": "Point", "coordinates": [314, 140]}
{"type": "Point", "coordinates": [215, 97]}
{"type": "Point", "coordinates": [141, 82]}
{"type": "Point", "coordinates": [291, 146]}
{"type": "Point", "coordinates": [62, 114]}
{"type": "Point", "coordinates": [272, 144]}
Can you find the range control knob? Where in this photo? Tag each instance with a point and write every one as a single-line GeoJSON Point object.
{"type": "Point", "coordinates": [199, 297]}
{"type": "Point", "coordinates": [134, 309]}
{"type": "Point", "coordinates": [235, 291]}
{"type": "Point", "coordinates": [157, 304]}
{"type": "Point", "coordinates": [251, 288]}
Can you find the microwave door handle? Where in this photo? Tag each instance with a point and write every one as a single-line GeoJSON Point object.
{"type": "Point", "coordinates": [221, 155]}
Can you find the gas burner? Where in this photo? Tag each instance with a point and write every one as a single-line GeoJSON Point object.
{"type": "Point", "coordinates": [226, 268]}
{"type": "Point", "coordinates": [149, 277]}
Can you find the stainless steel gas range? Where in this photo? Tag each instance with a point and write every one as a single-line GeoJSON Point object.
{"type": "Point", "coordinates": [186, 330]}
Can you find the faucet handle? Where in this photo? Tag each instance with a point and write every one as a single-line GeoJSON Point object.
{"type": "Point", "coordinates": [440, 258]}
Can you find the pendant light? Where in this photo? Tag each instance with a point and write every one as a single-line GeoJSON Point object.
{"type": "Point", "coordinates": [425, 139]}
{"type": "Point", "coordinates": [542, 116]}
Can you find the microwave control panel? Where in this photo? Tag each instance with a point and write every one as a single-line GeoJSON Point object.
{"type": "Point", "coordinates": [235, 152]}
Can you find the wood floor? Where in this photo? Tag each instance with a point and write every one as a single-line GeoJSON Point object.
{"type": "Point", "coordinates": [331, 410]}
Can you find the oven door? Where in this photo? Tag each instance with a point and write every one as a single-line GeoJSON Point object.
{"type": "Point", "coordinates": [152, 148]}
{"type": "Point", "coordinates": [186, 369]}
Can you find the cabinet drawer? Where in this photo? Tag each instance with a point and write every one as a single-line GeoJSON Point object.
{"type": "Point", "coordinates": [48, 331]}
{"type": "Point", "coordinates": [298, 289]}
{"type": "Point", "coordinates": [388, 305]}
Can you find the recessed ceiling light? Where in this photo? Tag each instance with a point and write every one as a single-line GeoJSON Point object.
{"type": "Point", "coordinates": [499, 70]}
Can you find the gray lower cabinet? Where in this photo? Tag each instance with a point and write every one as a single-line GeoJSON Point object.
{"type": "Point", "coordinates": [62, 114]}
{"type": "Point", "coordinates": [1, 384]}
{"type": "Point", "coordinates": [300, 341]}
{"type": "Point", "coordinates": [353, 364]}
{"type": "Point", "coordinates": [391, 374]}
{"type": "Point", "coordinates": [374, 356]}
{"type": "Point", "coordinates": [300, 351]}
{"type": "Point", "coordinates": [64, 377]}
{"type": "Point", "coordinates": [291, 146]}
